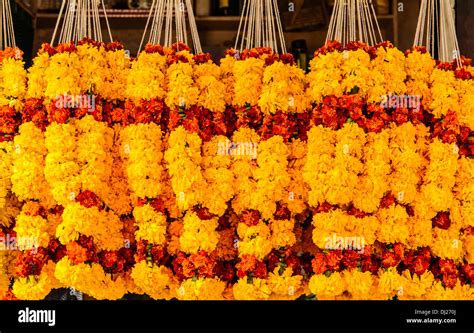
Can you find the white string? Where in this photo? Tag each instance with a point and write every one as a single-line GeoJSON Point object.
{"type": "Point", "coordinates": [7, 36]}
{"type": "Point", "coordinates": [436, 16]}
{"type": "Point", "coordinates": [354, 19]}
{"type": "Point", "coordinates": [80, 19]}
{"type": "Point", "coordinates": [168, 23]}
{"type": "Point", "coordinates": [260, 26]}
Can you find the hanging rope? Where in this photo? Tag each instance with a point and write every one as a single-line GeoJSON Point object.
{"type": "Point", "coordinates": [80, 19]}
{"type": "Point", "coordinates": [436, 28]}
{"type": "Point", "coordinates": [7, 36]}
{"type": "Point", "coordinates": [260, 26]}
{"type": "Point", "coordinates": [354, 20]}
{"type": "Point", "coordinates": [168, 24]}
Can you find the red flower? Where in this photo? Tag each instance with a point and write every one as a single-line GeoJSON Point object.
{"type": "Point", "coordinates": [442, 220]}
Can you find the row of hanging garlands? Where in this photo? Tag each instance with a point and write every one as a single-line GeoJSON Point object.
{"type": "Point", "coordinates": [175, 177]}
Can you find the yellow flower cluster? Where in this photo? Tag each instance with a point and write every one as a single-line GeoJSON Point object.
{"type": "Point", "coordinates": [37, 81]}
{"type": "Point", "coordinates": [243, 166]}
{"type": "Point", "coordinates": [94, 146]}
{"type": "Point", "coordinates": [201, 289]}
{"type": "Point", "coordinates": [297, 196]}
{"type": "Point", "coordinates": [325, 76]}
{"type": "Point", "coordinates": [142, 153]}
{"type": "Point", "coordinates": [12, 82]}
{"type": "Point", "coordinates": [374, 180]}
{"type": "Point", "coordinates": [146, 79]}
{"type": "Point", "coordinates": [156, 281]}
{"type": "Point", "coordinates": [182, 91]}
{"type": "Point", "coordinates": [34, 231]}
{"type": "Point", "coordinates": [62, 170]}
{"type": "Point", "coordinates": [212, 90]}
{"type": "Point", "coordinates": [388, 74]}
{"type": "Point", "coordinates": [105, 227]}
{"type": "Point", "coordinates": [89, 69]}
{"type": "Point", "coordinates": [227, 77]}
{"type": "Point", "coordinates": [254, 240]}
{"type": "Point", "coordinates": [198, 234]}
{"type": "Point", "coordinates": [217, 174]}
{"type": "Point", "coordinates": [321, 149]}
{"type": "Point", "coordinates": [283, 89]}
{"type": "Point", "coordinates": [35, 288]}
{"type": "Point", "coordinates": [337, 230]}
{"type": "Point", "coordinates": [248, 76]}
{"type": "Point", "coordinates": [183, 159]}
{"type": "Point", "coordinates": [419, 67]}
{"type": "Point", "coordinates": [271, 176]}
{"type": "Point", "coordinates": [91, 280]}
{"type": "Point", "coordinates": [347, 165]}
{"type": "Point", "coordinates": [280, 285]}
{"type": "Point", "coordinates": [28, 171]}
{"type": "Point", "coordinates": [151, 224]}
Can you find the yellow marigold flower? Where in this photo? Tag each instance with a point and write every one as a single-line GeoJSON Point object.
{"type": "Point", "coordinates": [181, 89]}
{"type": "Point", "coordinates": [407, 162]}
{"type": "Point", "coordinates": [34, 288]}
{"type": "Point", "coordinates": [320, 160]}
{"type": "Point", "coordinates": [390, 283]}
{"type": "Point", "coordinates": [218, 175]}
{"type": "Point", "coordinates": [12, 81]}
{"type": "Point", "coordinates": [438, 292]}
{"type": "Point", "coordinates": [415, 286]}
{"type": "Point", "coordinates": [37, 81]}
{"type": "Point", "coordinates": [466, 107]}
{"type": "Point", "coordinates": [447, 243]}
{"type": "Point", "coordinates": [156, 281]}
{"type": "Point", "coordinates": [183, 159]}
{"type": "Point", "coordinates": [201, 289]}
{"type": "Point", "coordinates": [283, 89]}
{"type": "Point", "coordinates": [28, 176]}
{"type": "Point", "coordinates": [388, 74]}
{"type": "Point", "coordinates": [63, 76]}
{"type": "Point", "coordinates": [342, 179]}
{"type": "Point", "coordinates": [105, 227]}
{"type": "Point", "coordinates": [469, 248]}
{"type": "Point", "coordinates": [326, 76]}
{"type": "Point", "coordinates": [114, 75]}
{"type": "Point", "coordinates": [271, 176]}
{"type": "Point", "coordinates": [297, 189]}
{"type": "Point", "coordinates": [327, 287]}
{"type": "Point", "coordinates": [146, 79]}
{"type": "Point", "coordinates": [394, 226]}
{"type": "Point", "coordinates": [94, 146]}
{"type": "Point", "coordinates": [374, 182]}
{"type": "Point", "coordinates": [198, 234]}
{"type": "Point", "coordinates": [211, 89]}
{"type": "Point", "coordinates": [359, 284]}
{"type": "Point", "coordinates": [142, 153]}
{"type": "Point", "coordinates": [151, 224]}
{"type": "Point", "coordinates": [254, 240]}
{"type": "Point", "coordinates": [357, 74]}
{"type": "Point", "coordinates": [282, 233]}
{"type": "Point", "coordinates": [227, 78]}
{"type": "Point", "coordinates": [33, 231]}
{"type": "Point", "coordinates": [90, 279]}
{"type": "Point", "coordinates": [248, 76]}
{"type": "Point", "coordinates": [286, 284]}
{"type": "Point", "coordinates": [256, 289]}
{"type": "Point", "coordinates": [444, 92]}
{"type": "Point", "coordinates": [440, 176]}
